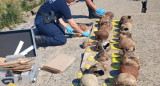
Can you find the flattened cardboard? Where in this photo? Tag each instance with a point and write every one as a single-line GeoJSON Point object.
{"type": "Point", "coordinates": [60, 62]}
{"type": "Point", "coordinates": [2, 60]}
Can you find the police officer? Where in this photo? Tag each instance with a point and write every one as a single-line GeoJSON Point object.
{"type": "Point", "coordinates": [93, 10]}
{"type": "Point", "coordinates": [48, 20]}
{"type": "Point", "coordinates": [144, 6]}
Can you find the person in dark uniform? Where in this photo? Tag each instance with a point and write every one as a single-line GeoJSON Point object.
{"type": "Point", "coordinates": [93, 10]}
{"type": "Point", "coordinates": [48, 20]}
{"type": "Point", "coordinates": [144, 6]}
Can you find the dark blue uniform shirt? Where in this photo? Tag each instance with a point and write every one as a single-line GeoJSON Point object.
{"type": "Point", "coordinates": [52, 31]}
{"type": "Point", "coordinates": [59, 6]}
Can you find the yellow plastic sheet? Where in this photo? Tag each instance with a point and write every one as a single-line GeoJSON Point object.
{"type": "Point", "coordinates": [114, 23]}
{"type": "Point", "coordinates": [115, 47]}
{"type": "Point", "coordinates": [91, 40]}
{"type": "Point", "coordinates": [92, 58]}
{"type": "Point", "coordinates": [116, 60]}
{"type": "Point", "coordinates": [116, 32]}
{"type": "Point", "coordinates": [115, 36]}
{"type": "Point", "coordinates": [75, 84]}
{"type": "Point", "coordinates": [79, 75]}
{"type": "Point", "coordinates": [97, 20]}
{"type": "Point", "coordinates": [87, 66]}
{"type": "Point", "coordinates": [93, 34]}
{"type": "Point", "coordinates": [115, 27]}
{"type": "Point", "coordinates": [89, 50]}
{"type": "Point", "coordinates": [11, 85]}
{"type": "Point", "coordinates": [116, 20]}
{"type": "Point", "coordinates": [114, 41]}
{"type": "Point", "coordinates": [111, 78]}
{"type": "Point", "coordinates": [116, 55]}
{"type": "Point", "coordinates": [96, 23]}
{"type": "Point", "coordinates": [116, 67]}
{"type": "Point", "coordinates": [107, 84]}
{"type": "Point", "coordinates": [95, 29]}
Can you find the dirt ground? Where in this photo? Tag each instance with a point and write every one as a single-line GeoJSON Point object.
{"type": "Point", "coordinates": [145, 32]}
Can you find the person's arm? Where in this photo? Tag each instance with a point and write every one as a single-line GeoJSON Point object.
{"type": "Point", "coordinates": [98, 10]}
{"type": "Point", "coordinates": [62, 23]}
{"type": "Point", "coordinates": [74, 25]}
{"type": "Point", "coordinates": [90, 3]}
{"type": "Point", "coordinates": [65, 25]}
{"type": "Point", "coordinates": [64, 9]}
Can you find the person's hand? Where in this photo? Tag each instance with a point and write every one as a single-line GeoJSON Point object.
{"type": "Point", "coordinates": [69, 29]}
{"type": "Point", "coordinates": [85, 34]}
{"type": "Point", "coordinates": [100, 11]}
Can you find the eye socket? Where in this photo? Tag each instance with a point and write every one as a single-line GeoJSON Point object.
{"type": "Point", "coordinates": [126, 29]}
{"type": "Point", "coordinates": [106, 45]}
{"type": "Point", "coordinates": [127, 64]}
{"type": "Point", "coordinates": [77, 1]}
{"type": "Point", "coordinates": [132, 57]}
{"type": "Point", "coordinates": [107, 21]}
{"type": "Point", "coordinates": [99, 72]}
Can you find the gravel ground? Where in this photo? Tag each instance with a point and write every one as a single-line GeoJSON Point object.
{"type": "Point", "coordinates": [146, 34]}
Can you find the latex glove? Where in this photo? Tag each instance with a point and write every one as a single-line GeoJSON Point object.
{"type": "Point", "coordinates": [69, 29]}
{"type": "Point", "coordinates": [74, 31]}
{"type": "Point", "coordinates": [85, 34]}
{"type": "Point", "coordinates": [100, 11]}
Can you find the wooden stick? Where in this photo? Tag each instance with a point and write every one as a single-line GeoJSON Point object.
{"type": "Point", "coordinates": [50, 69]}
{"type": "Point", "coordinates": [17, 63]}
